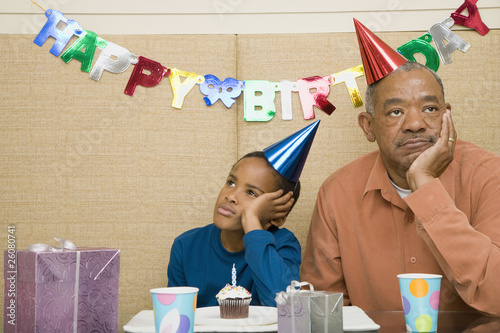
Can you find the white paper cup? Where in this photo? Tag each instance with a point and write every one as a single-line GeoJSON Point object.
{"type": "Point", "coordinates": [174, 308]}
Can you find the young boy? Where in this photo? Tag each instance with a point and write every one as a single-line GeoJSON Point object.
{"type": "Point", "coordinates": [249, 211]}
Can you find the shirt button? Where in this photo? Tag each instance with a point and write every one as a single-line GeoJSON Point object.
{"type": "Point", "coordinates": [413, 260]}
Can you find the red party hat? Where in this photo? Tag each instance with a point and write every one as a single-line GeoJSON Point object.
{"type": "Point", "coordinates": [379, 59]}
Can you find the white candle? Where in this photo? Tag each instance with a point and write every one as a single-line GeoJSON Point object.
{"type": "Point", "coordinates": [233, 275]}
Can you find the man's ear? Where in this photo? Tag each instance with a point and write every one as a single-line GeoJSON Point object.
{"type": "Point", "coordinates": [364, 121]}
{"type": "Point", "coordinates": [277, 223]}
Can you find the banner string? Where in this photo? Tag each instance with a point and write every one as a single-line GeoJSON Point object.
{"type": "Point", "coordinates": [33, 2]}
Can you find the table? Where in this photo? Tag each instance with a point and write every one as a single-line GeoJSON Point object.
{"type": "Point", "coordinates": [448, 322]}
{"type": "Point", "coordinates": [393, 322]}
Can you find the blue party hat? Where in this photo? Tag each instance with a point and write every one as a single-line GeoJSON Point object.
{"type": "Point", "coordinates": [289, 155]}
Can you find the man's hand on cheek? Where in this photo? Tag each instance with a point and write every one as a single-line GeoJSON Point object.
{"type": "Point", "coordinates": [434, 161]}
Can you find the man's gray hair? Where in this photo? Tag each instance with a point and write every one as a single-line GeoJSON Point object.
{"type": "Point", "coordinates": [370, 96]}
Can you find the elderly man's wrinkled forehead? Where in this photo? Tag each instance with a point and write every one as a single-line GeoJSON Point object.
{"type": "Point", "coordinates": [371, 91]}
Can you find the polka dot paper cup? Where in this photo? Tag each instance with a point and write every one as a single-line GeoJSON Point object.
{"type": "Point", "coordinates": [420, 296]}
{"type": "Point", "coordinates": [174, 309]}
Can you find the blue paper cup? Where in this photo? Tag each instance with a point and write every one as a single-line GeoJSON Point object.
{"type": "Point", "coordinates": [174, 309]}
{"type": "Point", "coordinates": [420, 296]}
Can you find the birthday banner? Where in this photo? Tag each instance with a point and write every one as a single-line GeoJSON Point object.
{"type": "Point", "coordinates": [258, 95]}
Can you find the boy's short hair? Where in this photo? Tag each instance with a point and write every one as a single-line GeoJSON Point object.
{"type": "Point", "coordinates": [281, 181]}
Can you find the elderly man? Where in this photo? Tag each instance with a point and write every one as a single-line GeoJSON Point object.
{"type": "Point", "coordinates": [422, 203]}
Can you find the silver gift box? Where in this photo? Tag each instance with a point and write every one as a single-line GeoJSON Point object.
{"type": "Point", "coordinates": [309, 311]}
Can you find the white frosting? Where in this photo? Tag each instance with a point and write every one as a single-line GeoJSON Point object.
{"type": "Point", "coordinates": [230, 291]}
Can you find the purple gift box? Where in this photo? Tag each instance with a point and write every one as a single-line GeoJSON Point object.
{"type": "Point", "coordinates": [64, 291]}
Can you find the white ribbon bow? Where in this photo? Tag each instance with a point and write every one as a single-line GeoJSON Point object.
{"type": "Point", "coordinates": [282, 297]}
{"type": "Point", "coordinates": [64, 245]}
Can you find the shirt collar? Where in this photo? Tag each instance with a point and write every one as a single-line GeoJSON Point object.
{"type": "Point", "coordinates": [379, 180]}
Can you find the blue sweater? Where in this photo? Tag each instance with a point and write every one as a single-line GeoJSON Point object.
{"type": "Point", "coordinates": [268, 264]}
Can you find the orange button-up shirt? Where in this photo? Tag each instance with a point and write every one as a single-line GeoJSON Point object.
{"type": "Point", "coordinates": [363, 234]}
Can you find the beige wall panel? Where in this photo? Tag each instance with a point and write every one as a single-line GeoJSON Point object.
{"type": "Point", "coordinates": [81, 160]}
{"type": "Point", "coordinates": [291, 57]}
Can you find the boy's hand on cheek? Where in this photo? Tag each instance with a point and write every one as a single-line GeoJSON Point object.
{"type": "Point", "coordinates": [266, 208]}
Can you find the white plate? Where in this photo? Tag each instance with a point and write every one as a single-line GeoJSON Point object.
{"type": "Point", "coordinates": [260, 319]}
{"type": "Point", "coordinates": [143, 322]}
{"type": "Point", "coordinates": [356, 320]}
{"type": "Point", "coordinates": [257, 316]}
{"type": "Point", "coordinates": [262, 328]}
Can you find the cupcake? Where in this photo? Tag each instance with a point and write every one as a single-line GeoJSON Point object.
{"type": "Point", "coordinates": [234, 302]}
